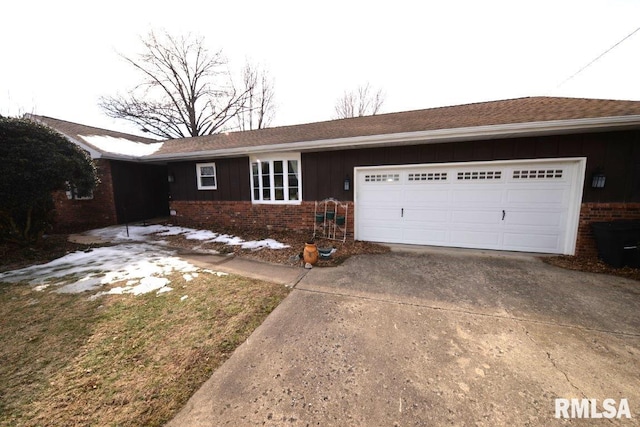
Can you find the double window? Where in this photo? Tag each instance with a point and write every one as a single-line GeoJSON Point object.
{"type": "Point", "coordinates": [276, 179]}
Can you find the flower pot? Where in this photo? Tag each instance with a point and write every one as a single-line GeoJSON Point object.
{"type": "Point", "coordinates": [319, 218]}
{"type": "Point", "coordinates": [340, 220]}
{"type": "Point", "coordinates": [325, 253]}
{"type": "Point", "coordinates": [310, 253]}
{"type": "Point", "coordinates": [331, 215]}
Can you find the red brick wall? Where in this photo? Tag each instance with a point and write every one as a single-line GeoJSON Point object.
{"type": "Point", "coordinates": [239, 214]}
{"type": "Point", "coordinates": [80, 215]}
{"type": "Point", "coordinates": [600, 212]}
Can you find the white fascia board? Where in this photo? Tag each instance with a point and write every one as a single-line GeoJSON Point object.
{"type": "Point", "coordinates": [437, 136]}
{"type": "Point", "coordinates": [403, 166]}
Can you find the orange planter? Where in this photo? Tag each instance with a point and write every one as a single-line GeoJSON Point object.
{"type": "Point", "coordinates": [310, 253]}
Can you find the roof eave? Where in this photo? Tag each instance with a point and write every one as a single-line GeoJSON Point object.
{"type": "Point", "coordinates": [94, 153]}
{"type": "Point", "coordinates": [437, 136]}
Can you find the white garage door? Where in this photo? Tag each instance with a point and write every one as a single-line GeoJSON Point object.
{"type": "Point", "coordinates": [530, 206]}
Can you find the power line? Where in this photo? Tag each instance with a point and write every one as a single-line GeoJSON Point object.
{"type": "Point", "coordinates": [599, 56]}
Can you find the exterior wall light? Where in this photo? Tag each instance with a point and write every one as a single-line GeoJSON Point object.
{"type": "Point", "coordinates": [171, 178]}
{"type": "Point", "coordinates": [598, 180]}
{"type": "Point", "coordinates": [347, 184]}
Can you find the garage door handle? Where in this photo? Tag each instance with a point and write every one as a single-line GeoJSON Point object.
{"type": "Point", "coordinates": [503, 214]}
{"type": "Point", "coordinates": [402, 213]}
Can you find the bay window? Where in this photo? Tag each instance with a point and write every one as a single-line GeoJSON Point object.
{"type": "Point", "coordinates": [276, 179]}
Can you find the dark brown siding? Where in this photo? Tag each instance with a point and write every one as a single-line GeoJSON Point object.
{"type": "Point", "coordinates": [140, 191]}
{"type": "Point", "coordinates": [616, 153]}
{"type": "Point", "coordinates": [232, 178]}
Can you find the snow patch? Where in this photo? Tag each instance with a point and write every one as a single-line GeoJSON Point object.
{"type": "Point", "coordinates": [143, 233]}
{"type": "Point", "coordinates": [120, 233]}
{"type": "Point", "coordinates": [216, 273]}
{"type": "Point", "coordinates": [142, 266]}
{"type": "Point", "coordinates": [122, 146]}
{"type": "Point", "coordinates": [146, 285]}
{"type": "Point", "coordinates": [134, 260]}
{"type": "Point", "coordinates": [207, 236]}
{"type": "Point", "coordinates": [266, 243]}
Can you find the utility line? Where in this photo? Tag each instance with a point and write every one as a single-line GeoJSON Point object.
{"type": "Point", "coordinates": [600, 56]}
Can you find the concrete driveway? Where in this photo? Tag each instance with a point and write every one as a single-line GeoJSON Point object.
{"type": "Point", "coordinates": [459, 338]}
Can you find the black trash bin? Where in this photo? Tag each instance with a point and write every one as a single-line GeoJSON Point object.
{"type": "Point", "coordinates": [618, 242]}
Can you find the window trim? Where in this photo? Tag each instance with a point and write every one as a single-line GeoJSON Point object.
{"type": "Point", "coordinates": [199, 176]}
{"type": "Point", "coordinates": [271, 158]}
{"type": "Point", "coordinates": [72, 193]}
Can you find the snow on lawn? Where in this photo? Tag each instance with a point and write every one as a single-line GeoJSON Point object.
{"type": "Point", "coordinates": [141, 233]}
{"type": "Point", "coordinates": [134, 260]}
{"type": "Point", "coordinates": [142, 266]}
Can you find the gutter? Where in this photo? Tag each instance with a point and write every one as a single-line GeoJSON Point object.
{"type": "Point", "coordinates": [437, 136]}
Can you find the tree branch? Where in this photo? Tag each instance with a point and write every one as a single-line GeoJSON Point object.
{"type": "Point", "coordinates": [185, 91]}
{"type": "Point", "coordinates": [360, 102]}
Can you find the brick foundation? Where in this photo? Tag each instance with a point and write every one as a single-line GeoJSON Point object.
{"type": "Point", "coordinates": [600, 212]}
{"type": "Point", "coordinates": [300, 218]}
{"type": "Point", "coordinates": [79, 215]}
{"type": "Point", "coordinates": [212, 215]}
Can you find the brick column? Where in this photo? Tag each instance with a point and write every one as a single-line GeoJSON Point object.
{"type": "Point", "coordinates": [600, 212]}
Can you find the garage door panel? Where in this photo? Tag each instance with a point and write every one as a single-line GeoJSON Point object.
{"type": "Point", "coordinates": [475, 217]}
{"type": "Point", "coordinates": [385, 234]}
{"type": "Point", "coordinates": [384, 195]}
{"type": "Point", "coordinates": [546, 243]}
{"type": "Point", "coordinates": [547, 196]}
{"type": "Point", "coordinates": [420, 217]}
{"type": "Point", "coordinates": [437, 236]}
{"type": "Point", "coordinates": [475, 238]}
{"type": "Point", "coordinates": [534, 219]}
{"type": "Point", "coordinates": [426, 196]}
{"type": "Point", "coordinates": [379, 213]}
{"type": "Point", "coordinates": [478, 195]}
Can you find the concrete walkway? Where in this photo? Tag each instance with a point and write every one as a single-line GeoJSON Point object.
{"type": "Point", "coordinates": [432, 338]}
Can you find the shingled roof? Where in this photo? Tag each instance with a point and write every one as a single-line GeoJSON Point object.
{"type": "Point", "coordinates": [521, 116]}
{"type": "Point", "coordinates": [101, 142]}
{"type": "Point", "coordinates": [505, 112]}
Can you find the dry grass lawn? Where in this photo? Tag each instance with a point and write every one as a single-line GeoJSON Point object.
{"type": "Point", "coordinates": [125, 360]}
{"type": "Point", "coordinates": [120, 360]}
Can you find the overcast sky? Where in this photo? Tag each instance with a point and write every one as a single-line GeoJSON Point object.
{"type": "Point", "coordinates": [59, 57]}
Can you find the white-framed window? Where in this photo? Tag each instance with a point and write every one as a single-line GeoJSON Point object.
{"type": "Point", "coordinates": [276, 179]}
{"type": "Point", "coordinates": [206, 173]}
{"type": "Point", "coordinates": [479, 175]}
{"type": "Point", "coordinates": [537, 173]}
{"type": "Point", "coordinates": [382, 177]}
{"type": "Point", "coordinates": [72, 193]}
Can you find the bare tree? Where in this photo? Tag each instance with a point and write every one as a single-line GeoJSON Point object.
{"type": "Point", "coordinates": [361, 102]}
{"type": "Point", "coordinates": [185, 91]}
{"type": "Point", "coordinates": [259, 106]}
